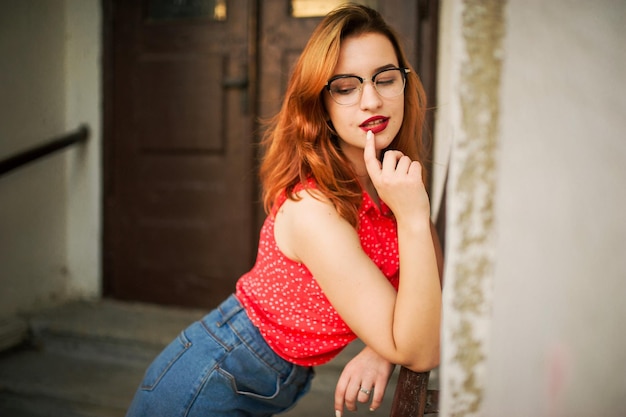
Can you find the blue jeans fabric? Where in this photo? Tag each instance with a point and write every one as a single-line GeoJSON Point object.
{"type": "Point", "coordinates": [220, 366]}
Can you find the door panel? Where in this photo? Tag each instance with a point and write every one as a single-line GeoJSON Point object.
{"type": "Point", "coordinates": [179, 209]}
{"type": "Point", "coordinates": [166, 86]}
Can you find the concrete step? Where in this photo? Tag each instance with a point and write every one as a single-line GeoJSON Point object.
{"type": "Point", "coordinates": [12, 405]}
{"type": "Point", "coordinates": [13, 332]}
{"type": "Point", "coordinates": [86, 358]}
{"type": "Point", "coordinates": [109, 330]}
{"type": "Point", "coordinates": [39, 383]}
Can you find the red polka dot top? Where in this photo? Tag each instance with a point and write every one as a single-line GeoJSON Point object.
{"type": "Point", "coordinates": [288, 306]}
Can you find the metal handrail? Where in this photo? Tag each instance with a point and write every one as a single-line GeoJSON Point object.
{"type": "Point", "coordinates": [16, 161]}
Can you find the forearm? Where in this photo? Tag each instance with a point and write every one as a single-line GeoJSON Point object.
{"type": "Point", "coordinates": [417, 310]}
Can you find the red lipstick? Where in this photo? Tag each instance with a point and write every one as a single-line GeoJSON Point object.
{"type": "Point", "coordinates": [376, 124]}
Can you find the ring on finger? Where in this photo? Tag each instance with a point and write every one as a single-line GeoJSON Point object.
{"type": "Point", "coordinates": [365, 391]}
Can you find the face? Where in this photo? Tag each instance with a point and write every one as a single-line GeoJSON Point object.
{"type": "Point", "coordinates": [365, 55]}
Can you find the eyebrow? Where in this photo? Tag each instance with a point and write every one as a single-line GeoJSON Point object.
{"type": "Point", "coordinates": [376, 70]}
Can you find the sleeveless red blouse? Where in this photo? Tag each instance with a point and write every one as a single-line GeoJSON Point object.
{"type": "Point", "coordinates": [283, 299]}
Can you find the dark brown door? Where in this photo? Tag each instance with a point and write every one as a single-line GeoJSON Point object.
{"type": "Point", "coordinates": [179, 190]}
{"type": "Point", "coordinates": [181, 104]}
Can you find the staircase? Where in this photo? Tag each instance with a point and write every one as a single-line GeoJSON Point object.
{"type": "Point", "coordinates": [85, 359]}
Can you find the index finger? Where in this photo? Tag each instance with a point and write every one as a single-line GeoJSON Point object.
{"type": "Point", "coordinates": [372, 164]}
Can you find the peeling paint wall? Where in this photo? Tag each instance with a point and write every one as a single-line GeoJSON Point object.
{"type": "Point", "coordinates": [532, 118]}
{"type": "Point", "coordinates": [474, 112]}
{"type": "Point", "coordinates": [558, 348]}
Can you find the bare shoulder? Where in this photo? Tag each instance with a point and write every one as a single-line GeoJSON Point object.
{"type": "Point", "coordinates": [311, 220]}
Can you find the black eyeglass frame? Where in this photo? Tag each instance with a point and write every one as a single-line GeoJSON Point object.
{"type": "Point", "coordinates": [403, 70]}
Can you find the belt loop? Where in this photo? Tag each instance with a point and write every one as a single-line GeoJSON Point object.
{"type": "Point", "coordinates": [228, 309]}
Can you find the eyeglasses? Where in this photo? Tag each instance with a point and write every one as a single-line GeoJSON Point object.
{"type": "Point", "coordinates": [346, 89]}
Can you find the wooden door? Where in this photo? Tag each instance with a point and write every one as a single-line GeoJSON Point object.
{"type": "Point", "coordinates": [181, 204]}
{"type": "Point", "coordinates": [179, 162]}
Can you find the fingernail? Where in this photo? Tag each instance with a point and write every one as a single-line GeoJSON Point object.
{"type": "Point", "coordinates": [369, 135]}
{"type": "Point", "coordinates": [337, 413]}
{"type": "Point", "coordinates": [372, 410]}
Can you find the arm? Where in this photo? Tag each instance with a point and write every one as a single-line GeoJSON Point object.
{"type": "Point", "coordinates": [399, 183]}
{"type": "Point", "coordinates": [401, 327]}
{"type": "Point", "coordinates": [370, 370]}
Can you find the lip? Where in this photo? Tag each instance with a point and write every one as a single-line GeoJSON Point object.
{"type": "Point", "coordinates": [380, 124]}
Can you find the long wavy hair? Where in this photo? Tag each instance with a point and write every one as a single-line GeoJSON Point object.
{"type": "Point", "coordinates": [300, 144]}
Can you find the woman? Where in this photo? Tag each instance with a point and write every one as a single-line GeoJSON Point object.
{"type": "Point", "coordinates": [347, 250]}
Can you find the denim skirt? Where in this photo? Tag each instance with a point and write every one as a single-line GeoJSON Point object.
{"type": "Point", "coordinates": [220, 366]}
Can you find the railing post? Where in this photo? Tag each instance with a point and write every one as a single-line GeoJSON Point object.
{"type": "Point", "coordinates": [410, 397]}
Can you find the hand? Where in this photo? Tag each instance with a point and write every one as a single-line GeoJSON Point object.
{"type": "Point", "coordinates": [398, 180]}
{"type": "Point", "coordinates": [367, 371]}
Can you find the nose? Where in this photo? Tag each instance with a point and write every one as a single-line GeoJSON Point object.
{"type": "Point", "coordinates": [370, 99]}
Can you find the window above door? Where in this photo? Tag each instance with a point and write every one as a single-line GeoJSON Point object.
{"type": "Point", "coordinates": [181, 9]}
{"type": "Point", "coordinates": [316, 8]}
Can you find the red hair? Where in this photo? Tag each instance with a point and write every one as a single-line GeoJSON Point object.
{"type": "Point", "coordinates": [299, 144]}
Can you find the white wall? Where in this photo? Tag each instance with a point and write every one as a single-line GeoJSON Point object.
{"type": "Point", "coordinates": [558, 342]}
{"type": "Point", "coordinates": [544, 332]}
{"type": "Point", "coordinates": [84, 106]}
{"type": "Point", "coordinates": [49, 220]}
